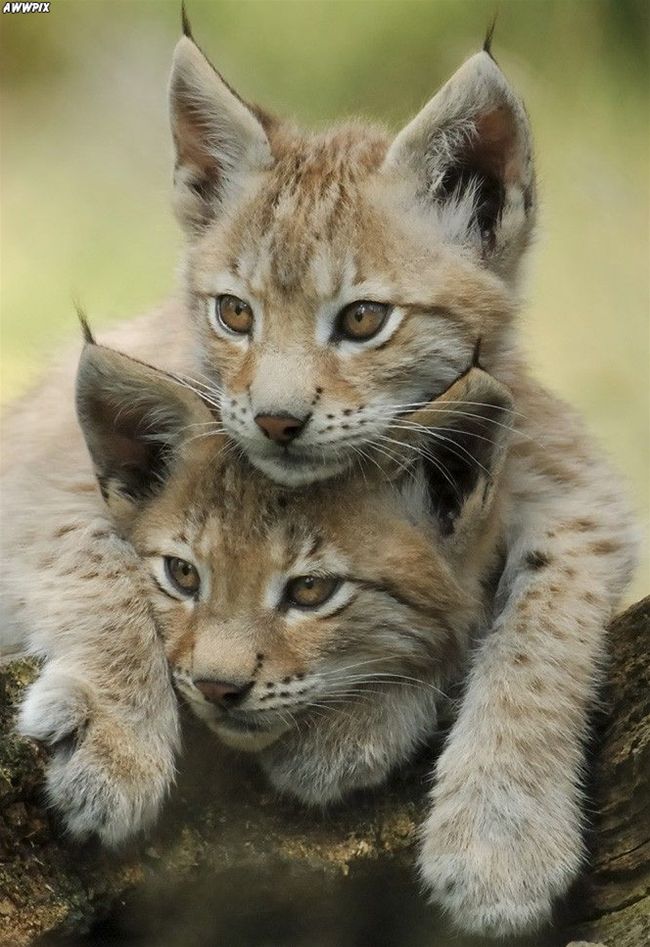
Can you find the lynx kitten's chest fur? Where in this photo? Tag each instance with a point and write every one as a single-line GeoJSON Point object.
{"type": "Point", "coordinates": [334, 285]}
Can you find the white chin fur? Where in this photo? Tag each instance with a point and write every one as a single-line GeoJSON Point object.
{"type": "Point", "coordinates": [251, 742]}
{"type": "Point", "coordinates": [293, 474]}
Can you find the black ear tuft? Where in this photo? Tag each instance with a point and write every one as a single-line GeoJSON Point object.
{"type": "Point", "coordinates": [185, 22]}
{"type": "Point", "coordinates": [86, 331]}
{"type": "Point", "coordinates": [489, 36]}
{"type": "Point", "coordinates": [476, 354]}
{"type": "Point", "coordinates": [219, 140]}
{"type": "Point", "coordinates": [135, 420]}
{"type": "Point", "coordinates": [469, 151]}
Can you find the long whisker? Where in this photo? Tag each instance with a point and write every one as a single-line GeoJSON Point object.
{"type": "Point", "coordinates": [385, 678]}
{"type": "Point", "coordinates": [211, 396]}
{"type": "Point", "coordinates": [426, 455]}
{"type": "Point", "coordinates": [364, 457]}
{"type": "Point", "coordinates": [351, 667]}
{"type": "Point", "coordinates": [424, 452]}
{"type": "Point", "coordinates": [463, 414]}
{"type": "Point", "coordinates": [392, 456]}
{"type": "Point", "coordinates": [414, 405]}
{"type": "Point", "coordinates": [337, 672]}
{"type": "Point", "coordinates": [186, 380]}
{"type": "Point", "coordinates": [412, 426]}
{"type": "Point", "coordinates": [455, 448]}
{"type": "Point", "coordinates": [395, 413]}
{"type": "Point", "coordinates": [214, 433]}
{"type": "Point", "coordinates": [202, 380]}
{"type": "Point", "coordinates": [357, 685]}
{"type": "Point", "coordinates": [214, 426]}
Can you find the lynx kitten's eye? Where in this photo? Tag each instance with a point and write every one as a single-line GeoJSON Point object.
{"type": "Point", "coordinates": [234, 314]}
{"type": "Point", "coordinates": [361, 320]}
{"type": "Point", "coordinates": [182, 575]}
{"type": "Point", "coordinates": [309, 591]}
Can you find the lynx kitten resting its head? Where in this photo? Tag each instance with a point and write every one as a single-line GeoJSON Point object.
{"type": "Point", "coordinates": [279, 606]}
{"type": "Point", "coordinates": [336, 279]}
{"type": "Point", "coordinates": [335, 283]}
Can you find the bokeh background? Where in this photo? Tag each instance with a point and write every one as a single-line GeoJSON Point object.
{"type": "Point", "coordinates": [86, 163]}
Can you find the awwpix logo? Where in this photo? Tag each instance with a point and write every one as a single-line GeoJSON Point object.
{"type": "Point", "coordinates": [26, 8]}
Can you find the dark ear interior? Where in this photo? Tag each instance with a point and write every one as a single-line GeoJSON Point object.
{"type": "Point", "coordinates": [217, 136]}
{"type": "Point", "coordinates": [461, 458]}
{"type": "Point", "coordinates": [135, 420]}
{"type": "Point", "coordinates": [469, 152]}
{"type": "Point", "coordinates": [481, 164]}
{"type": "Point", "coordinates": [468, 429]}
{"type": "Point", "coordinates": [130, 455]}
{"type": "Point", "coordinates": [197, 167]}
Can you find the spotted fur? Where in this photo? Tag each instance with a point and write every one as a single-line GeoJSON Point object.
{"type": "Point", "coordinates": [335, 697]}
{"type": "Point", "coordinates": [435, 223]}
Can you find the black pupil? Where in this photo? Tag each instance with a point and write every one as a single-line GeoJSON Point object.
{"type": "Point", "coordinates": [308, 583]}
{"type": "Point", "coordinates": [360, 313]}
{"type": "Point", "coordinates": [184, 571]}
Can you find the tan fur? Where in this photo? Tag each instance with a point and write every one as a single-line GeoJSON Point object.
{"type": "Point", "coordinates": [504, 835]}
{"type": "Point", "coordinates": [396, 631]}
{"type": "Point", "coordinates": [300, 225]}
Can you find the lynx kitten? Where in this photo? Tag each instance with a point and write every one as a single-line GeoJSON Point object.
{"type": "Point", "coordinates": [332, 283]}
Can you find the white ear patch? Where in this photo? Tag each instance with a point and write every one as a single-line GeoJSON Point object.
{"type": "Point", "coordinates": [218, 139]}
{"type": "Point", "coordinates": [468, 156]}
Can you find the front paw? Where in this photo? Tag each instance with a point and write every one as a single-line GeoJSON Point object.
{"type": "Point", "coordinates": [106, 776]}
{"type": "Point", "coordinates": [495, 861]}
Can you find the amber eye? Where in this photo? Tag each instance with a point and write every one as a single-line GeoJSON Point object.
{"type": "Point", "coordinates": [361, 320]}
{"type": "Point", "coordinates": [310, 591]}
{"type": "Point", "coordinates": [182, 575]}
{"type": "Point", "coordinates": [234, 314]}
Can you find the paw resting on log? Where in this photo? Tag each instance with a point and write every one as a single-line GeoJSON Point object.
{"type": "Point", "coordinates": [226, 823]}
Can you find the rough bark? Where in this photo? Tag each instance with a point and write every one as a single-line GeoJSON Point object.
{"type": "Point", "coordinates": [221, 832]}
{"type": "Point", "coordinates": [612, 904]}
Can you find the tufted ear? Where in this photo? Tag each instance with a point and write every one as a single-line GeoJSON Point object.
{"type": "Point", "coordinates": [463, 437]}
{"type": "Point", "coordinates": [219, 140]}
{"type": "Point", "coordinates": [468, 154]}
{"type": "Point", "coordinates": [137, 422]}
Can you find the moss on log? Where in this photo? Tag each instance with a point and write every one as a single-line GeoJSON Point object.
{"type": "Point", "coordinates": [225, 827]}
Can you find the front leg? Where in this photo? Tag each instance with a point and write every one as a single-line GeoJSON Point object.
{"type": "Point", "coordinates": [504, 838]}
{"type": "Point", "coordinates": [103, 703]}
{"type": "Point", "coordinates": [108, 774]}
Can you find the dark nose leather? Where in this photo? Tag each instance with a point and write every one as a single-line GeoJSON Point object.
{"type": "Point", "coordinates": [281, 428]}
{"type": "Point", "coordinates": [223, 693]}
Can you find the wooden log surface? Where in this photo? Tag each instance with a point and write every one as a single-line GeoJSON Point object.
{"type": "Point", "coordinates": [612, 904]}
{"type": "Point", "coordinates": [228, 843]}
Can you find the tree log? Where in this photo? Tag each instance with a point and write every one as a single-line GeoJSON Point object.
{"type": "Point", "coordinates": [612, 903]}
{"type": "Point", "coordinates": [228, 851]}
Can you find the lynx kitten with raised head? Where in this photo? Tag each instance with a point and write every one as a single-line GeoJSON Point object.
{"type": "Point", "coordinates": [334, 283]}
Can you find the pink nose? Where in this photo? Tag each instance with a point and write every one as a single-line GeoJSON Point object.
{"type": "Point", "coordinates": [281, 428]}
{"type": "Point", "coordinates": [223, 693]}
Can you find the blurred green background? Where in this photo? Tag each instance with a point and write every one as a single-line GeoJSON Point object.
{"type": "Point", "coordinates": [86, 163]}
